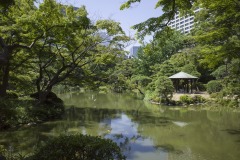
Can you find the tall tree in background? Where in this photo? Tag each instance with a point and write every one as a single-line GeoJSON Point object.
{"type": "Point", "coordinates": [160, 49]}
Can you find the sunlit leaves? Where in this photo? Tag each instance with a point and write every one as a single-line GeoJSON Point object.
{"type": "Point", "coordinates": [128, 4]}
{"type": "Point", "coordinates": [110, 26]}
{"type": "Point", "coordinates": [156, 24]}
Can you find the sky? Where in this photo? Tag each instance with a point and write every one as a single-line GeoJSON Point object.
{"type": "Point", "coordinates": [109, 9]}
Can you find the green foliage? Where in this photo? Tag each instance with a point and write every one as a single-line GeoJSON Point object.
{"type": "Point", "coordinates": [15, 112]}
{"type": "Point", "coordinates": [214, 86]}
{"type": "Point", "coordinates": [12, 94]}
{"type": "Point", "coordinates": [186, 99]}
{"type": "Point", "coordinates": [156, 24]}
{"type": "Point", "coordinates": [152, 96]}
{"type": "Point", "coordinates": [52, 43]}
{"type": "Point", "coordinates": [164, 88]}
{"type": "Point", "coordinates": [201, 86]}
{"type": "Point", "coordinates": [103, 89]}
{"type": "Point", "coordinates": [191, 69]}
{"type": "Point", "coordinates": [140, 80]}
{"type": "Point", "coordinates": [45, 112]}
{"type": "Point", "coordinates": [7, 114]}
{"type": "Point", "coordinates": [198, 99]}
{"type": "Point", "coordinates": [218, 32]}
{"type": "Point", "coordinates": [220, 72]}
{"type": "Point", "coordinates": [164, 69]}
{"type": "Point", "coordinates": [78, 147]}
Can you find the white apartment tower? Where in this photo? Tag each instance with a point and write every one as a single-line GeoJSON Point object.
{"type": "Point", "coordinates": [183, 24]}
{"type": "Point", "coordinates": [133, 52]}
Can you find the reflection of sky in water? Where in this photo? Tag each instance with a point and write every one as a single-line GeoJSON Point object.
{"type": "Point", "coordinates": [124, 132]}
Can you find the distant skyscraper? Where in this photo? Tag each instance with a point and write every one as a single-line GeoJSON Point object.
{"type": "Point", "coordinates": [183, 24]}
{"type": "Point", "coordinates": [133, 52]}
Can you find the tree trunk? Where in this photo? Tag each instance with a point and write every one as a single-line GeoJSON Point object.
{"type": "Point", "coordinates": [43, 95]}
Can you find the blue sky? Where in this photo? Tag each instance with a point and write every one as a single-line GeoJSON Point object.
{"type": "Point", "coordinates": [109, 9]}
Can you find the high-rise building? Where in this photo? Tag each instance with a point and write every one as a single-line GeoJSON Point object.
{"type": "Point", "coordinates": [184, 23]}
{"type": "Point", "coordinates": [133, 52]}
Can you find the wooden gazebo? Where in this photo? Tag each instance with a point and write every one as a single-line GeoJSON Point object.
{"type": "Point", "coordinates": [183, 82]}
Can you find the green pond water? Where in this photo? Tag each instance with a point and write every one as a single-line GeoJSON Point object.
{"type": "Point", "coordinates": [143, 131]}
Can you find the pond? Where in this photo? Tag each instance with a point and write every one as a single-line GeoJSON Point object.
{"type": "Point", "coordinates": [142, 130]}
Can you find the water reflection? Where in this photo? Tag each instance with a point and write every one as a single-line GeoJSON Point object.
{"type": "Point", "coordinates": [143, 131]}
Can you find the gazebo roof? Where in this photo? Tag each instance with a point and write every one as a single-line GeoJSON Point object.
{"type": "Point", "coordinates": [182, 75]}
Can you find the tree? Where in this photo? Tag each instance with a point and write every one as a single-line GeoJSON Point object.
{"type": "Point", "coordinates": [58, 42]}
{"type": "Point", "coordinates": [15, 35]}
{"type": "Point", "coordinates": [157, 24]}
{"type": "Point", "coordinates": [160, 49]}
{"type": "Point", "coordinates": [4, 4]}
{"type": "Point", "coordinates": [217, 32]}
{"type": "Point", "coordinates": [71, 42]}
{"type": "Point", "coordinates": [122, 74]}
{"type": "Point", "coordinates": [140, 82]}
{"type": "Point", "coordinates": [161, 89]}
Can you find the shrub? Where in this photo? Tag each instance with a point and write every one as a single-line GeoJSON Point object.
{"type": "Point", "coordinates": [78, 147]}
{"type": "Point", "coordinates": [214, 86]}
{"type": "Point", "coordinates": [198, 99]}
{"type": "Point", "coordinates": [152, 96]}
{"type": "Point", "coordinates": [103, 89]}
{"type": "Point", "coordinates": [186, 99]}
{"type": "Point", "coordinates": [201, 86]}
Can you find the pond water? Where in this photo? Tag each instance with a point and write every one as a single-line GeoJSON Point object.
{"type": "Point", "coordinates": [142, 130]}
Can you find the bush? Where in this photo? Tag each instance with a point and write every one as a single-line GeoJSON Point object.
{"type": "Point", "coordinates": [201, 86]}
{"type": "Point", "coordinates": [78, 147]}
{"type": "Point", "coordinates": [186, 99]}
{"type": "Point", "coordinates": [198, 99]}
{"type": "Point", "coordinates": [214, 86]}
{"type": "Point", "coordinates": [103, 89]}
